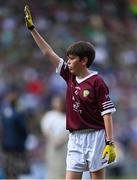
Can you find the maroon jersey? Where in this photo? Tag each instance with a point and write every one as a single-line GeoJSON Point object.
{"type": "Point", "coordinates": [87, 100]}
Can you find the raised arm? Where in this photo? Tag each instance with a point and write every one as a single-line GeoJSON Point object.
{"type": "Point", "coordinates": [40, 41]}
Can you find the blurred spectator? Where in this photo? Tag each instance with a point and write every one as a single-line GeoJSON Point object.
{"type": "Point", "coordinates": [14, 134]}
{"type": "Point", "coordinates": [133, 7]}
{"type": "Point", "coordinates": [53, 128]}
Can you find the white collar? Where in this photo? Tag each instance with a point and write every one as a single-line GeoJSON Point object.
{"type": "Point", "coordinates": [92, 73]}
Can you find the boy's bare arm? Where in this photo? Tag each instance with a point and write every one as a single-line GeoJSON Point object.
{"type": "Point", "coordinates": [108, 126]}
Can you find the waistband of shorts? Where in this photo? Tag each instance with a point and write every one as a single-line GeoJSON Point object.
{"type": "Point", "coordinates": [83, 131]}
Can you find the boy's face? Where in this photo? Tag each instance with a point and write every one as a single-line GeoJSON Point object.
{"type": "Point", "coordinates": [75, 64]}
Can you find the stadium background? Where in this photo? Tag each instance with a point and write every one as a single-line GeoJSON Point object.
{"type": "Point", "coordinates": [111, 25]}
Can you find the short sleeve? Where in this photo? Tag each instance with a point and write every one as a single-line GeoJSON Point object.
{"type": "Point", "coordinates": [63, 70]}
{"type": "Point", "coordinates": [104, 102]}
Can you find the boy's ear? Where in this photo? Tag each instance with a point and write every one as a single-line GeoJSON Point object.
{"type": "Point", "coordinates": [84, 60]}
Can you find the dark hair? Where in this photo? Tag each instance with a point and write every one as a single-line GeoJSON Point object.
{"type": "Point", "coordinates": [82, 49]}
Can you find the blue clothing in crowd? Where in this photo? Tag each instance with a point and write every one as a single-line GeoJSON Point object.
{"type": "Point", "coordinates": [14, 129]}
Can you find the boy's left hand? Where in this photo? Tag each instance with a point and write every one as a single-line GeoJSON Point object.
{"type": "Point", "coordinates": [110, 151]}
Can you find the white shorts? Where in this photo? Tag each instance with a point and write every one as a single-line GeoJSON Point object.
{"type": "Point", "coordinates": [85, 151]}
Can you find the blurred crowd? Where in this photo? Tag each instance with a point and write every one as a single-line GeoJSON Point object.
{"type": "Point", "coordinates": [111, 25]}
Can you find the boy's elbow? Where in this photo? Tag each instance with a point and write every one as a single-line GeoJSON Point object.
{"type": "Point", "coordinates": [52, 57]}
{"type": "Point", "coordinates": [46, 53]}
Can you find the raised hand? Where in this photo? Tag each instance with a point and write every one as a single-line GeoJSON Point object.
{"type": "Point", "coordinates": [28, 18]}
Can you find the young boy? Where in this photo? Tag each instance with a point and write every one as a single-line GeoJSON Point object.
{"type": "Point", "coordinates": [89, 108]}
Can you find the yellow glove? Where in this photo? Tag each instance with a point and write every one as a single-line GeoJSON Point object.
{"type": "Point", "coordinates": [110, 151]}
{"type": "Point", "coordinates": [28, 18]}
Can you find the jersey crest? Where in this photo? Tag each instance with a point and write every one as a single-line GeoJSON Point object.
{"type": "Point", "coordinates": [86, 93]}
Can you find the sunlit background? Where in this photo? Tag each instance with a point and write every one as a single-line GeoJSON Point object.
{"type": "Point", "coordinates": [112, 26]}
